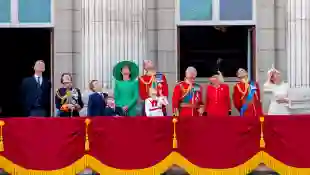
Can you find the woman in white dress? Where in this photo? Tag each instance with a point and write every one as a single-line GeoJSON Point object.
{"type": "Point", "coordinates": [278, 88]}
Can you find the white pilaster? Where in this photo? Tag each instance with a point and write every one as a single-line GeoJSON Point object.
{"type": "Point", "coordinates": [112, 31]}
{"type": "Point", "coordinates": [298, 43]}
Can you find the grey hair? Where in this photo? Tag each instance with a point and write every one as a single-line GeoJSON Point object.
{"type": "Point", "coordinates": [191, 69]}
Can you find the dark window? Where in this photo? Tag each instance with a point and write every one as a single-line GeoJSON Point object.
{"type": "Point", "coordinates": [203, 46]}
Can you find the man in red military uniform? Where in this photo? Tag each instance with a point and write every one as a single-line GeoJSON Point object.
{"type": "Point", "coordinates": [246, 96]}
{"type": "Point", "coordinates": [217, 97]}
{"type": "Point", "coordinates": [152, 79]}
{"type": "Point", "coordinates": [187, 96]}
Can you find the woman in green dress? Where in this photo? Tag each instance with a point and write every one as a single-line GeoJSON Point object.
{"type": "Point", "coordinates": [126, 92]}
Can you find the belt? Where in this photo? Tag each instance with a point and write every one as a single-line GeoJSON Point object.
{"type": "Point", "coordinates": [189, 105]}
{"type": "Point", "coordinates": [154, 109]}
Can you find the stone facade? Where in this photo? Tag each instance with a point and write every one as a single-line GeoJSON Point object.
{"type": "Point", "coordinates": [161, 39]}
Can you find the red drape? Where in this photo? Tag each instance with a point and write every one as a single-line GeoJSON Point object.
{"type": "Point", "coordinates": [287, 139]}
{"type": "Point", "coordinates": [131, 143]}
{"type": "Point", "coordinates": [218, 142]}
{"type": "Point", "coordinates": [43, 144]}
{"type": "Point", "coordinates": [136, 143]}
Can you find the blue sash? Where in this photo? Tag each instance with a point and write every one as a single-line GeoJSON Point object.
{"type": "Point", "coordinates": [249, 98]}
{"type": "Point", "coordinates": [159, 77]}
{"type": "Point", "coordinates": [190, 95]}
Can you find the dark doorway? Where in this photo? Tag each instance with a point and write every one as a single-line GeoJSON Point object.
{"type": "Point", "coordinates": [209, 48]}
{"type": "Point", "coordinates": [20, 48]}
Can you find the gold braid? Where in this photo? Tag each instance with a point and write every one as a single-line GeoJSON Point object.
{"type": "Point", "coordinates": [147, 83]}
{"type": "Point", "coordinates": [185, 90]}
{"type": "Point", "coordinates": [62, 98]}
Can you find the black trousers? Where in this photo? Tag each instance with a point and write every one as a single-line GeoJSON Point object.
{"type": "Point", "coordinates": [69, 114]}
{"type": "Point", "coordinates": [37, 112]}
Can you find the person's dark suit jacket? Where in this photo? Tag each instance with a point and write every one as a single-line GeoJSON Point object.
{"type": "Point", "coordinates": [96, 104]}
{"type": "Point", "coordinates": [118, 111]}
{"type": "Point", "coordinates": [29, 93]}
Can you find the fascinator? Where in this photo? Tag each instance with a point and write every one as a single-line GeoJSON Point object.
{"type": "Point", "coordinates": [217, 76]}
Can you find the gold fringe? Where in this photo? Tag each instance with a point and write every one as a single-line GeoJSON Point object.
{"type": "Point", "coordinates": [173, 158]}
{"type": "Point", "coordinates": [2, 123]}
{"type": "Point", "coordinates": [174, 140]}
{"type": "Point", "coordinates": [262, 143]}
{"type": "Point", "coordinates": [281, 168]}
{"type": "Point", "coordinates": [87, 122]}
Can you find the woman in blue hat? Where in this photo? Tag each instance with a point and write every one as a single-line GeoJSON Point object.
{"type": "Point", "coordinates": [126, 92]}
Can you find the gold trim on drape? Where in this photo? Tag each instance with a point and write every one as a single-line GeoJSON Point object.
{"type": "Point", "coordinates": [174, 158]}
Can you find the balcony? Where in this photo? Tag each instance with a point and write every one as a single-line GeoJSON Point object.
{"type": "Point", "coordinates": [199, 145]}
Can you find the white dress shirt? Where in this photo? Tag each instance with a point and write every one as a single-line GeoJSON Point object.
{"type": "Point", "coordinates": [40, 79]}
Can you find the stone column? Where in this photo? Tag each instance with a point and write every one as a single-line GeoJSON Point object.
{"type": "Point", "coordinates": [112, 31]}
{"type": "Point", "coordinates": [298, 43]}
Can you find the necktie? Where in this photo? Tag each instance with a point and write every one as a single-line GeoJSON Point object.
{"type": "Point", "coordinates": [38, 81]}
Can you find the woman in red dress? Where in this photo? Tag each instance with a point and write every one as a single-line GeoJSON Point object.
{"type": "Point", "coordinates": [217, 97]}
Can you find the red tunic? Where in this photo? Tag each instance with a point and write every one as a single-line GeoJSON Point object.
{"type": "Point", "coordinates": [158, 81]}
{"type": "Point", "coordinates": [147, 81]}
{"type": "Point", "coordinates": [218, 100]}
{"type": "Point", "coordinates": [240, 94]}
{"type": "Point", "coordinates": [186, 99]}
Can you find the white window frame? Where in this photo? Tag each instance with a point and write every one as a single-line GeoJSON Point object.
{"type": "Point", "coordinates": [215, 17]}
{"type": "Point", "coordinates": [214, 22]}
{"type": "Point", "coordinates": [15, 21]}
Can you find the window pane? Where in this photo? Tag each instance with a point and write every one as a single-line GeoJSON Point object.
{"type": "Point", "coordinates": [236, 9]}
{"type": "Point", "coordinates": [195, 10]}
{"type": "Point", "coordinates": [34, 11]}
{"type": "Point", "coordinates": [203, 46]}
{"type": "Point", "coordinates": [5, 11]}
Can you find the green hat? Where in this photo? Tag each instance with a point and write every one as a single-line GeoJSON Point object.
{"type": "Point", "coordinates": [117, 70]}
